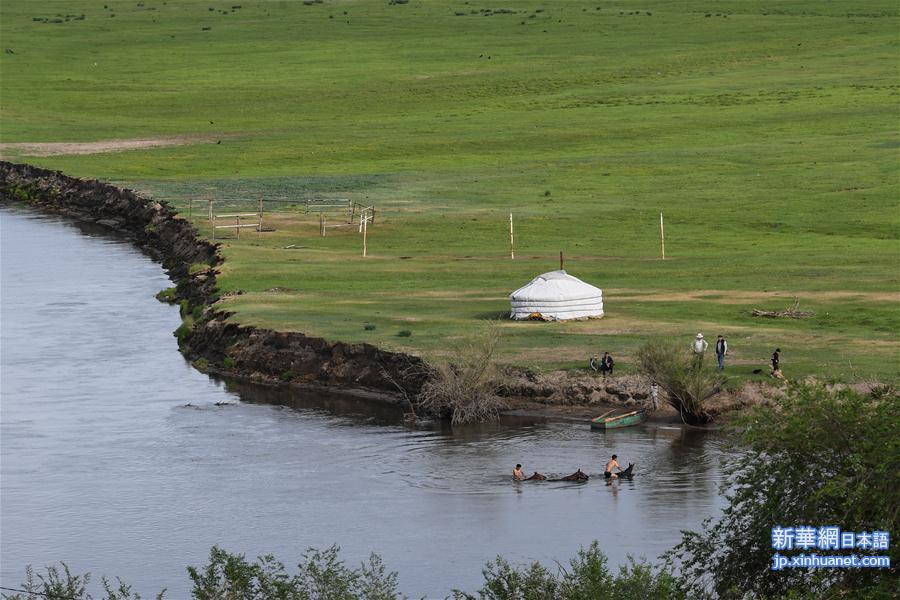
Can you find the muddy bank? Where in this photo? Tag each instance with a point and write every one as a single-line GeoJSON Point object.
{"type": "Point", "coordinates": [217, 345]}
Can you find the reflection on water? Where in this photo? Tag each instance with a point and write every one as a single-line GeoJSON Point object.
{"type": "Point", "coordinates": [117, 455]}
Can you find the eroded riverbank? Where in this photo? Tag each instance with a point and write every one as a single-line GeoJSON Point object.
{"type": "Point", "coordinates": [218, 345]}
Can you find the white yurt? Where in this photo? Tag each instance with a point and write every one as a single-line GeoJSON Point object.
{"type": "Point", "coordinates": [556, 296]}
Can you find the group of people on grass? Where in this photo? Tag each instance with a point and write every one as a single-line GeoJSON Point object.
{"type": "Point", "coordinates": [604, 365]}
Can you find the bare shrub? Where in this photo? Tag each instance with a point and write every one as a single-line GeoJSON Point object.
{"type": "Point", "coordinates": [465, 388]}
{"type": "Point", "coordinates": [677, 370]}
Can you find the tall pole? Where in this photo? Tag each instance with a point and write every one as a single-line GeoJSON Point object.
{"type": "Point", "coordinates": [662, 237]}
{"type": "Point", "coordinates": [562, 261]}
{"type": "Point", "coordinates": [365, 237]}
{"type": "Point", "coordinates": [512, 247]}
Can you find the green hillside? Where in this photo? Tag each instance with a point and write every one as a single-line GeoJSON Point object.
{"type": "Point", "coordinates": [766, 131]}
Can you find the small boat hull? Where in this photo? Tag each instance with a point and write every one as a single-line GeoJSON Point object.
{"type": "Point", "coordinates": [617, 422]}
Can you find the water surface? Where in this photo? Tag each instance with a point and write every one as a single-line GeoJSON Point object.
{"type": "Point", "coordinates": [120, 459]}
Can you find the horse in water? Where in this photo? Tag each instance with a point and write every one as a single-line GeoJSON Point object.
{"type": "Point", "coordinates": [576, 476]}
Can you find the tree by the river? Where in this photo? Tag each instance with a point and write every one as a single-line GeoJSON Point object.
{"type": "Point", "coordinates": [818, 457]}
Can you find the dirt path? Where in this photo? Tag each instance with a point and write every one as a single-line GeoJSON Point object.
{"type": "Point", "coordinates": [99, 147]}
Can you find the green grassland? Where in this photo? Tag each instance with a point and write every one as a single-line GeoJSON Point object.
{"type": "Point", "coordinates": [766, 131]}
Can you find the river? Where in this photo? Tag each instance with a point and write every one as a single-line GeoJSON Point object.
{"type": "Point", "coordinates": [120, 459]}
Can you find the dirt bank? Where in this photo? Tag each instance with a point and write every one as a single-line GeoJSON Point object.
{"type": "Point", "coordinates": [217, 345]}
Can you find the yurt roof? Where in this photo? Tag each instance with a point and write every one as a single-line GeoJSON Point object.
{"type": "Point", "coordinates": [555, 286]}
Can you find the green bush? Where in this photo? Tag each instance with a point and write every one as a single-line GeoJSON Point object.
{"type": "Point", "coordinates": [818, 457]}
{"type": "Point", "coordinates": [167, 295]}
{"type": "Point", "coordinates": [229, 363]}
{"type": "Point", "coordinates": [184, 330]}
{"type": "Point", "coordinates": [404, 333]}
{"type": "Point", "coordinates": [320, 575]}
{"type": "Point", "coordinates": [687, 382]}
{"type": "Point", "coordinates": [587, 578]}
{"type": "Point", "coordinates": [466, 388]}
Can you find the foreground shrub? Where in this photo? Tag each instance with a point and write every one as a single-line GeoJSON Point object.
{"type": "Point", "coordinates": [819, 457]}
{"type": "Point", "coordinates": [320, 575]}
{"type": "Point", "coordinates": [587, 578]}
{"type": "Point", "coordinates": [60, 583]}
{"type": "Point", "coordinates": [465, 389]}
{"type": "Point", "coordinates": [688, 384]}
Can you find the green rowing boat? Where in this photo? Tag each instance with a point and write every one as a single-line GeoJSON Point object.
{"type": "Point", "coordinates": [635, 417]}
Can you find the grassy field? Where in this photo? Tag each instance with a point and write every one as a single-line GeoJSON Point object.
{"type": "Point", "coordinates": [766, 131]}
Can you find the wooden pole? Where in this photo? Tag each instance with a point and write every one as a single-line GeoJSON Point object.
{"type": "Point", "coordinates": [238, 225]}
{"type": "Point", "coordinates": [662, 237]}
{"type": "Point", "coordinates": [209, 211]}
{"type": "Point", "coordinates": [512, 247]}
{"type": "Point", "coordinates": [562, 261]}
{"type": "Point", "coordinates": [212, 220]}
{"type": "Point", "coordinates": [365, 238]}
{"type": "Point", "coordinates": [191, 208]}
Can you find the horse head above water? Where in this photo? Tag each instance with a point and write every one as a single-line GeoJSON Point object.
{"type": "Point", "coordinates": [576, 476]}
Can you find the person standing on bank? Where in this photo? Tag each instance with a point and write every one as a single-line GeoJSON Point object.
{"type": "Point", "coordinates": [699, 347]}
{"type": "Point", "coordinates": [721, 351]}
{"type": "Point", "coordinates": [608, 363]}
{"type": "Point", "coordinates": [776, 360]}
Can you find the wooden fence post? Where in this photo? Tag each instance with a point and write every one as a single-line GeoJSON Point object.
{"type": "Point", "coordinates": [662, 237]}
{"type": "Point", "coordinates": [512, 247]}
{"type": "Point", "coordinates": [365, 238]}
